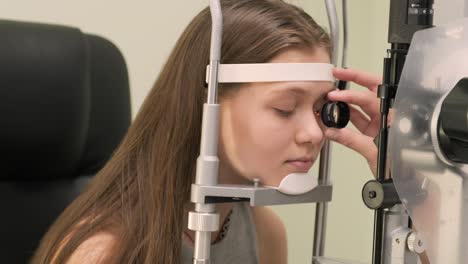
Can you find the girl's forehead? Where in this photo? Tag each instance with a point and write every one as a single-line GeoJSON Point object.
{"type": "Point", "coordinates": [305, 85]}
{"type": "Point", "coordinates": [300, 54]}
{"type": "Point", "coordinates": [298, 88]}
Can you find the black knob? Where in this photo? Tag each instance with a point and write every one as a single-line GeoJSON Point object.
{"type": "Point", "coordinates": [380, 195]}
{"type": "Point", "coordinates": [335, 114]}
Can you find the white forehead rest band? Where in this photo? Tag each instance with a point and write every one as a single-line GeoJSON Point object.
{"type": "Point", "coordinates": [273, 72]}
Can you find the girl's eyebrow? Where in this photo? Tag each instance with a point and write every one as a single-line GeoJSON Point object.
{"type": "Point", "coordinates": [295, 90]}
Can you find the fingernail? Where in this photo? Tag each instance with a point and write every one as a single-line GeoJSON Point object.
{"type": "Point", "coordinates": [333, 93]}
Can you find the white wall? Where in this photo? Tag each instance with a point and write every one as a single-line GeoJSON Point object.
{"type": "Point", "coordinates": [145, 31]}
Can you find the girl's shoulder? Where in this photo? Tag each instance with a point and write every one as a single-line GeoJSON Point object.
{"type": "Point", "coordinates": [94, 249]}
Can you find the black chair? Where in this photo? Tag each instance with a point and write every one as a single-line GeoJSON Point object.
{"type": "Point", "coordinates": [64, 108]}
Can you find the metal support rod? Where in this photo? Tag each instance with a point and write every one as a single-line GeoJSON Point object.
{"type": "Point", "coordinates": [205, 219]}
{"type": "Point", "coordinates": [378, 240]}
{"type": "Point", "coordinates": [321, 210]}
{"type": "Point", "coordinates": [381, 164]}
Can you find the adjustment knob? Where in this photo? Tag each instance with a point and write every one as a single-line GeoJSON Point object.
{"type": "Point", "coordinates": [380, 195]}
{"type": "Point", "coordinates": [415, 243]}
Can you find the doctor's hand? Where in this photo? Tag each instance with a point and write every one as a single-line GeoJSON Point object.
{"type": "Point", "coordinates": [364, 109]}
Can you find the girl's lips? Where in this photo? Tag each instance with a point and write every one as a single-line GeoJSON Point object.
{"type": "Point", "coordinates": [301, 165]}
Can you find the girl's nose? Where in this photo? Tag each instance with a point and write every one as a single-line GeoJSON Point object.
{"type": "Point", "coordinates": [309, 130]}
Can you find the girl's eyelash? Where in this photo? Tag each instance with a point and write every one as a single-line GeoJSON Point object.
{"type": "Point", "coordinates": [283, 113]}
{"type": "Point", "coordinates": [317, 110]}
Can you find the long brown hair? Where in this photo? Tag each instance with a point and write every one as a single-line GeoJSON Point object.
{"type": "Point", "coordinates": [141, 193]}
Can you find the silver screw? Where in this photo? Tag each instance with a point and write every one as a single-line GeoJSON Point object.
{"type": "Point", "coordinates": [256, 182]}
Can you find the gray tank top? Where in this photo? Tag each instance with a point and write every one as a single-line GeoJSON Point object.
{"type": "Point", "coordinates": [238, 246]}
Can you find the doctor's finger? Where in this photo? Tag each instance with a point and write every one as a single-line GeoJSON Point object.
{"type": "Point", "coordinates": [359, 119]}
{"type": "Point", "coordinates": [362, 78]}
{"type": "Point", "coordinates": [360, 143]}
{"type": "Point", "coordinates": [364, 99]}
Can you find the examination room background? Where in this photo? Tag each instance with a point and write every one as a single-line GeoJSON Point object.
{"type": "Point", "coordinates": [145, 31]}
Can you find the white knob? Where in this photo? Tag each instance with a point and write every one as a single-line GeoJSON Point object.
{"type": "Point", "coordinates": [206, 222]}
{"type": "Point", "coordinates": [416, 243]}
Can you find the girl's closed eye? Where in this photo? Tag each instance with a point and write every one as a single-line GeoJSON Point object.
{"type": "Point", "coordinates": [284, 107]}
{"type": "Point", "coordinates": [284, 112]}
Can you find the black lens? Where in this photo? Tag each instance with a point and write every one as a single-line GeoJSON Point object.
{"type": "Point", "coordinates": [335, 114]}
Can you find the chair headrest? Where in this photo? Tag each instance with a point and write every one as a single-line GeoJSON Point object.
{"type": "Point", "coordinates": [52, 90]}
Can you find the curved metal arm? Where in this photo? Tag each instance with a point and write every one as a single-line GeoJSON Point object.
{"type": "Point", "coordinates": [334, 28]}
{"type": "Point", "coordinates": [344, 54]}
{"type": "Point", "coordinates": [215, 51]}
{"type": "Point", "coordinates": [217, 30]}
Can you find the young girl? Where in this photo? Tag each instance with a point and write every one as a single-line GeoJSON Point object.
{"type": "Point", "coordinates": [135, 209]}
